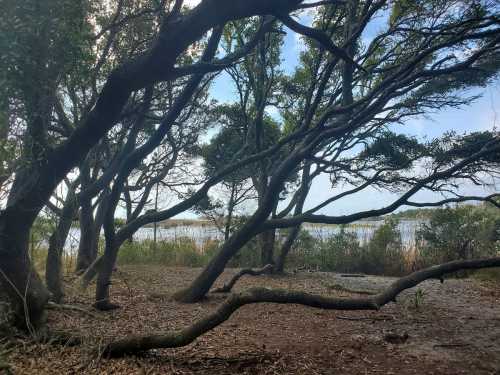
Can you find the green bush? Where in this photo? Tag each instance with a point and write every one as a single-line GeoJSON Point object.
{"type": "Point", "coordinates": [341, 253]}
{"type": "Point", "coordinates": [384, 254]}
{"type": "Point", "coordinates": [463, 232]}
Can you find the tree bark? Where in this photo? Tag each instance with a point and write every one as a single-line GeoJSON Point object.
{"type": "Point", "coordinates": [107, 265]}
{"type": "Point", "coordinates": [91, 272]}
{"type": "Point", "coordinates": [279, 266]}
{"type": "Point", "coordinates": [18, 278]}
{"type": "Point", "coordinates": [87, 248]}
{"type": "Point", "coordinates": [53, 269]}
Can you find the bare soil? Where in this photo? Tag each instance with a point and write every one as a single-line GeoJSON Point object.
{"type": "Point", "coordinates": [451, 328]}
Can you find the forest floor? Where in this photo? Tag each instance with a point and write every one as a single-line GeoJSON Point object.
{"type": "Point", "coordinates": [451, 328]}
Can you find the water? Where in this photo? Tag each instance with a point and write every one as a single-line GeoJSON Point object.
{"type": "Point", "coordinates": [201, 234]}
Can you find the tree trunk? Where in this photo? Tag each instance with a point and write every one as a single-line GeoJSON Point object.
{"type": "Point", "coordinates": [87, 246]}
{"type": "Point", "coordinates": [108, 261]}
{"type": "Point", "coordinates": [53, 269]}
{"type": "Point", "coordinates": [203, 283]}
{"type": "Point", "coordinates": [267, 240]}
{"type": "Point", "coordinates": [279, 267]}
{"type": "Point", "coordinates": [26, 292]}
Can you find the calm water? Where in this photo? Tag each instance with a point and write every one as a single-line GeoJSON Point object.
{"type": "Point", "coordinates": [201, 234]}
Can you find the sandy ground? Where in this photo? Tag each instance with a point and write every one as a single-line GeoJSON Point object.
{"type": "Point", "coordinates": [451, 328]}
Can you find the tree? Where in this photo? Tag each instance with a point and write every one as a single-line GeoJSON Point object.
{"type": "Point", "coordinates": [357, 94]}
{"type": "Point", "coordinates": [34, 182]}
{"type": "Point", "coordinates": [346, 131]}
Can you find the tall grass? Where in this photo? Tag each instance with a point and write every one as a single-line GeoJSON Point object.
{"type": "Point", "coordinates": [182, 252]}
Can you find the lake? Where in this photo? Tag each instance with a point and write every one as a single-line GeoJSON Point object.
{"type": "Point", "coordinates": [202, 234]}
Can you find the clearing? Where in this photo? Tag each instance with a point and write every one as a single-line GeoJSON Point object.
{"type": "Point", "coordinates": [451, 328]}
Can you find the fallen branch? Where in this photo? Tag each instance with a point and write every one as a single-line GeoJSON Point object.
{"type": "Point", "coordinates": [246, 271]}
{"type": "Point", "coordinates": [173, 339]}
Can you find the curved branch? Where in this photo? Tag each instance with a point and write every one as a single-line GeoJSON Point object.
{"type": "Point", "coordinates": [245, 271]}
{"type": "Point", "coordinates": [319, 36]}
{"type": "Point", "coordinates": [173, 339]}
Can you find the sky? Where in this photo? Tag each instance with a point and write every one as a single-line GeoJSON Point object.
{"type": "Point", "coordinates": [483, 114]}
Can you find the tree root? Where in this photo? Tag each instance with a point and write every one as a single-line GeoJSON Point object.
{"type": "Point", "coordinates": [246, 271]}
{"type": "Point", "coordinates": [173, 339]}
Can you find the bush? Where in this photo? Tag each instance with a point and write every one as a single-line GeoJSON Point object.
{"type": "Point", "coordinates": [341, 253]}
{"type": "Point", "coordinates": [384, 254]}
{"type": "Point", "coordinates": [463, 232]}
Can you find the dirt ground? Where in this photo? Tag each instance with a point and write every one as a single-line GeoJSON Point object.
{"type": "Point", "coordinates": [452, 328]}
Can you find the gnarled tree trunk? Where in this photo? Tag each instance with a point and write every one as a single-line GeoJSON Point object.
{"type": "Point", "coordinates": [27, 294]}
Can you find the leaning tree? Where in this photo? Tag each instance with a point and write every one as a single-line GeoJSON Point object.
{"type": "Point", "coordinates": [426, 53]}
{"type": "Point", "coordinates": [45, 165]}
{"type": "Point", "coordinates": [361, 92]}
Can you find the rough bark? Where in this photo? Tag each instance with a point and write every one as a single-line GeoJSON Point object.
{"type": "Point", "coordinates": [174, 339]}
{"type": "Point", "coordinates": [107, 265]}
{"type": "Point", "coordinates": [246, 271]}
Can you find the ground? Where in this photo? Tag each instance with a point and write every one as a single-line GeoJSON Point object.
{"type": "Point", "coordinates": [452, 328]}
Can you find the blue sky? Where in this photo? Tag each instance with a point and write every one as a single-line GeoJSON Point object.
{"type": "Point", "coordinates": [483, 114]}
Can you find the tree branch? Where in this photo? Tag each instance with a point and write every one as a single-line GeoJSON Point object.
{"type": "Point", "coordinates": [246, 271]}
{"type": "Point", "coordinates": [173, 339]}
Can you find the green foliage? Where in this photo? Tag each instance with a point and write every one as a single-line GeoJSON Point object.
{"type": "Point", "coordinates": [341, 253]}
{"type": "Point", "coordinates": [463, 232]}
{"type": "Point", "coordinates": [418, 298]}
{"type": "Point", "coordinates": [384, 254]}
{"type": "Point", "coordinates": [181, 252]}
{"type": "Point", "coordinates": [248, 256]}
{"type": "Point", "coordinates": [393, 150]}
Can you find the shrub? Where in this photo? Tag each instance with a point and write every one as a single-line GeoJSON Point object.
{"type": "Point", "coordinates": [384, 254]}
{"type": "Point", "coordinates": [463, 232]}
{"type": "Point", "coordinates": [341, 253]}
